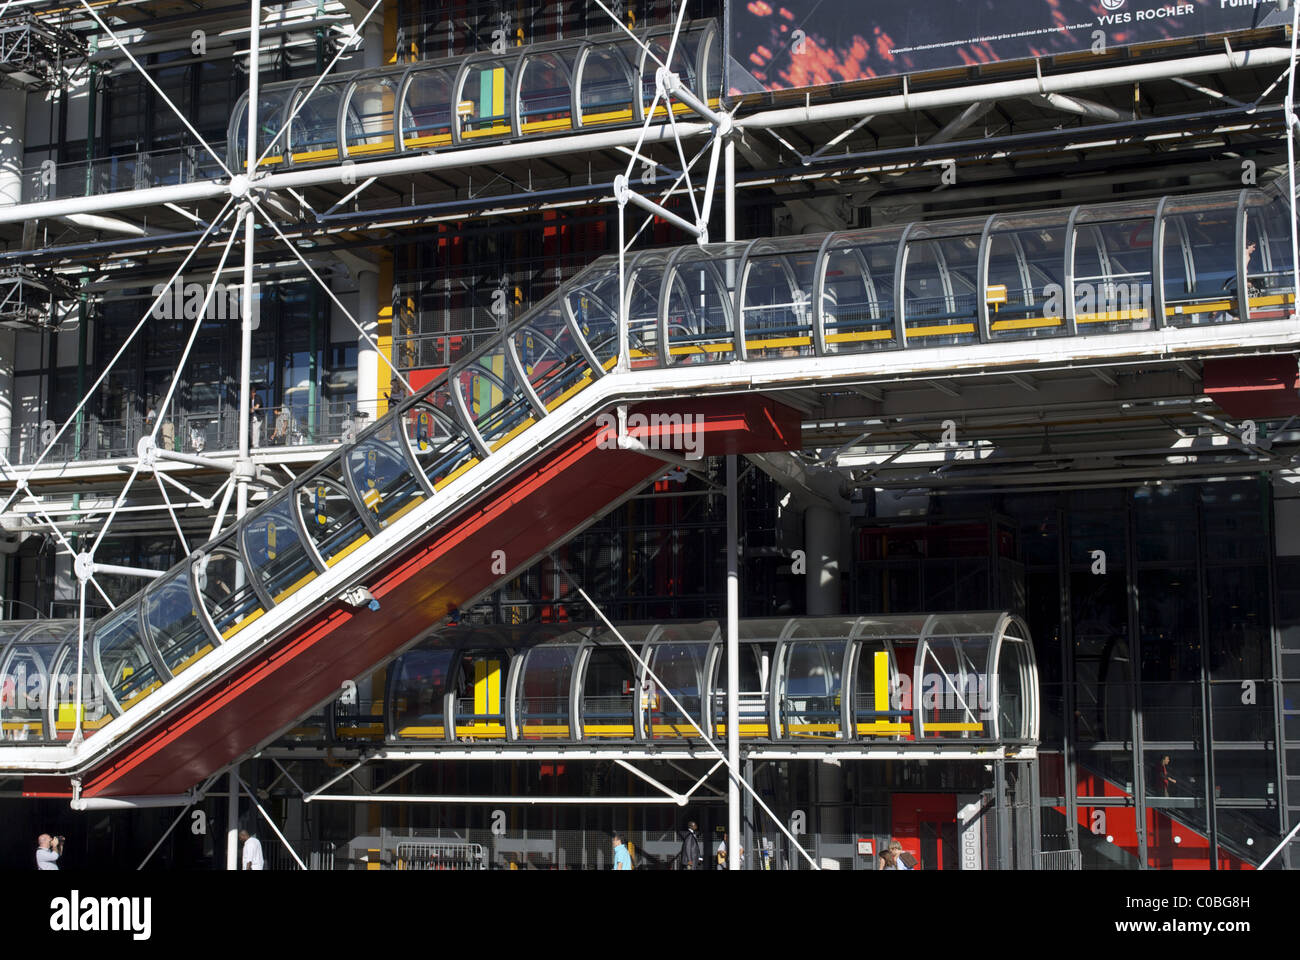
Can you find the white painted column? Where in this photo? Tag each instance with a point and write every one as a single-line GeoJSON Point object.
{"type": "Point", "coordinates": [13, 122]}
{"type": "Point", "coordinates": [822, 536]}
{"type": "Point", "coordinates": [367, 355]}
{"type": "Point", "coordinates": [8, 344]}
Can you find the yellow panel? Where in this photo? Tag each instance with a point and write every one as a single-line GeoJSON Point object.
{"type": "Point", "coordinates": [295, 586]}
{"type": "Point", "coordinates": [864, 335]}
{"type": "Point", "coordinates": [189, 661]}
{"type": "Point", "coordinates": [953, 727]}
{"type": "Point", "coordinates": [432, 140]}
{"type": "Point", "coordinates": [421, 733]}
{"type": "Point", "coordinates": [777, 343]}
{"type": "Point", "coordinates": [248, 618]}
{"type": "Point", "coordinates": [1025, 323]}
{"type": "Point", "coordinates": [365, 537]}
{"type": "Point", "coordinates": [482, 731]}
{"type": "Point", "coordinates": [513, 433]}
{"type": "Point", "coordinates": [881, 666]}
{"type": "Point", "coordinates": [940, 330]}
{"type": "Point", "coordinates": [473, 461]}
{"type": "Point", "coordinates": [882, 729]}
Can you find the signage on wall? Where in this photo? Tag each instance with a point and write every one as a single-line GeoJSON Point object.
{"type": "Point", "coordinates": [789, 44]}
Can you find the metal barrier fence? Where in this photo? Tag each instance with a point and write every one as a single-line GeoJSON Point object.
{"type": "Point", "coordinates": [1060, 860]}
{"type": "Point", "coordinates": [437, 855]}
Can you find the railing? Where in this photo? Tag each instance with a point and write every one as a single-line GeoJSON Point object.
{"type": "Point", "coordinates": [1060, 860]}
{"type": "Point", "coordinates": [440, 855]}
{"type": "Point", "coordinates": [103, 439]}
{"type": "Point", "coordinates": [126, 171]}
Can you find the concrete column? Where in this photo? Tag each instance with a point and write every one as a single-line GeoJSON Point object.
{"type": "Point", "coordinates": [372, 40]}
{"type": "Point", "coordinates": [822, 537]}
{"type": "Point", "coordinates": [367, 355]}
{"type": "Point", "coordinates": [13, 123]}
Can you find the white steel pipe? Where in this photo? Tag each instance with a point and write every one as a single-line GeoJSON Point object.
{"type": "Point", "coordinates": [83, 804]}
{"type": "Point", "coordinates": [1014, 89]}
{"type": "Point", "coordinates": [733, 669]}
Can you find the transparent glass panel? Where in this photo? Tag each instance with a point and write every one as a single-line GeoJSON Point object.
{"type": "Point", "coordinates": [382, 475]}
{"type": "Point", "coordinates": [493, 398]}
{"type": "Point", "coordinates": [174, 623]}
{"type": "Point", "coordinates": [486, 99]}
{"type": "Point", "coordinates": [1112, 276]}
{"type": "Point", "coordinates": [551, 357]}
{"type": "Point", "coordinates": [858, 296]}
{"type": "Point", "coordinates": [811, 690]}
{"type": "Point", "coordinates": [417, 707]}
{"type": "Point", "coordinates": [1200, 267]}
{"type": "Point", "coordinates": [427, 111]}
{"type": "Point", "coordinates": [123, 659]}
{"type": "Point", "coordinates": [954, 699]}
{"type": "Point", "coordinates": [777, 303]}
{"type": "Point", "coordinates": [754, 666]}
{"type": "Point", "coordinates": [680, 667]}
{"type": "Point", "coordinates": [26, 684]}
{"type": "Point", "coordinates": [480, 695]}
{"type": "Point", "coordinates": [545, 98]}
{"type": "Point", "coordinates": [1012, 693]}
{"type": "Point", "coordinates": [683, 64]}
{"type": "Point", "coordinates": [592, 302]}
{"type": "Point", "coordinates": [940, 297]}
{"type": "Point", "coordinates": [1026, 283]}
{"type": "Point", "coordinates": [644, 287]}
{"type": "Point", "coordinates": [368, 121]}
{"type": "Point", "coordinates": [269, 118]}
{"type": "Point", "coordinates": [699, 311]}
{"type": "Point", "coordinates": [544, 693]}
{"type": "Point", "coordinates": [328, 514]}
{"type": "Point", "coordinates": [225, 587]}
{"type": "Point", "coordinates": [440, 445]}
{"type": "Point", "coordinates": [94, 700]}
{"type": "Point", "coordinates": [275, 552]}
{"type": "Point", "coordinates": [873, 714]}
{"type": "Point", "coordinates": [609, 694]}
{"type": "Point", "coordinates": [314, 132]}
{"type": "Point", "coordinates": [606, 94]}
{"type": "Point", "coordinates": [1269, 270]}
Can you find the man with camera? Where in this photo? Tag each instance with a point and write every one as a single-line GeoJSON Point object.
{"type": "Point", "coordinates": [48, 851]}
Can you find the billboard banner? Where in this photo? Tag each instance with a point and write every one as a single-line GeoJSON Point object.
{"type": "Point", "coordinates": [789, 44]}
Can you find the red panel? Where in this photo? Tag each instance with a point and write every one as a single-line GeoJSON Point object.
{"type": "Point", "coordinates": [525, 513]}
{"type": "Point", "coordinates": [928, 817]}
{"type": "Point", "coordinates": [1244, 387]}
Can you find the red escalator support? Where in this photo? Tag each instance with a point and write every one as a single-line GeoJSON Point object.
{"type": "Point", "coordinates": [524, 514]}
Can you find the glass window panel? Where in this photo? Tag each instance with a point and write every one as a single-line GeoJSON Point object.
{"type": "Point", "coordinates": [123, 659]}
{"type": "Point", "coordinates": [592, 305]}
{"type": "Point", "coordinates": [680, 668]}
{"type": "Point", "coordinates": [486, 99]}
{"type": "Point", "coordinates": [605, 95]}
{"type": "Point", "coordinates": [1268, 251]}
{"type": "Point", "coordinates": [940, 302]}
{"type": "Point", "coordinates": [226, 589]}
{"type": "Point", "coordinates": [1200, 267]}
{"type": "Point", "coordinates": [644, 288]}
{"type": "Point", "coordinates": [276, 552]}
{"type": "Point", "coordinates": [858, 296]}
{"type": "Point", "coordinates": [1112, 276]}
{"type": "Point", "coordinates": [1172, 712]}
{"type": "Point", "coordinates": [544, 695]}
{"type": "Point", "coordinates": [368, 123]}
{"type": "Point", "coordinates": [382, 475]}
{"type": "Point", "coordinates": [440, 445]}
{"type": "Point", "coordinates": [545, 97]}
{"type": "Point", "coordinates": [810, 704]}
{"type": "Point", "coordinates": [609, 693]}
{"type": "Point", "coordinates": [777, 303]}
{"type": "Point", "coordinates": [95, 708]}
{"type": "Point", "coordinates": [493, 399]}
{"type": "Point", "coordinates": [1237, 625]}
{"type": "Point", "coordinates": [753, 668]}
{"type": "Point", "coordinates": [1026, 283]}
{"type": "Point", "coordinates": [26, 684]}
{"type": "Point", "coordinates": [427, 111]}
{"type": "Point", "coordinates": [1169, 624]}
{"type": "Point", "coordinates": [551, 358]}
{"type": "Point", "coordinates": [480, 695]}
{"type": "Point", "coordinates": [314, 132]}
{"type": "Point", "coordinates": [177, 631]}
{"type": "Point", "coordinates": [418, 694]}
{"type": "Point", "coordinates": [699, 311]}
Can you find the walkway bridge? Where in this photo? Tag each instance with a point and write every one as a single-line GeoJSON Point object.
{"type": "Point", "coordinates": [578, 403]}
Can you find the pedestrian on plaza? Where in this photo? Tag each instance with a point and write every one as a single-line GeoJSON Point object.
{"type": "Point", "coordinates": [692, 855]}
{"type": "Point", "coordinates": [48, 851]}
{"type": "Point", "coordinates": [622, 859]}
{"type": "Point", "coordinates": [896, 858]}
{"type": "Point", "coordinates": [252, 858]}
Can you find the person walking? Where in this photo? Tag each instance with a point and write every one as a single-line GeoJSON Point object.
{"type": "Point", "coordinates": [48, 851]}
{"type": "Point", "coordinates": [622, 859]}
{"type": "Point", "coordinates": [692, 855]}
{"type": "Point", "coordinates": [252, 858]}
